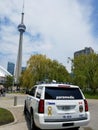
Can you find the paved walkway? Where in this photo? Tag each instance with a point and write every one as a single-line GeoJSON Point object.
{"type": "Point", "coordinates": [8, 102]}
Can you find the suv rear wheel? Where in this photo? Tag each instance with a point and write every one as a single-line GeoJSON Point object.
{"type": "Point", "coordinates": [32, 123]}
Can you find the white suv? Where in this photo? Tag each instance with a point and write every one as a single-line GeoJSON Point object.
{"type": "Point", "coordinates": [56, 106]}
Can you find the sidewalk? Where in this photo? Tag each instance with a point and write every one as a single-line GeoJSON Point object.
{"type": "Point", "coordinates": [8, 103]}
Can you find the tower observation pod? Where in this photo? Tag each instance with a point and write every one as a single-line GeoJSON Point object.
{"type": "Point", "coordinates": [21, 29]}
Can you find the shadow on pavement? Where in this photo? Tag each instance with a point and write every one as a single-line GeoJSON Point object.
{"type": "Point", "coordinates": [88, 128]}
{"type": "Point", "coordinates": [27, 121]}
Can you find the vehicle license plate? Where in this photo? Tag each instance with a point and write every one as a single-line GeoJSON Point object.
{"type": "Point", "coordinates": [64, 108]}
{"type": "Point", "coordinates": [67, 116]}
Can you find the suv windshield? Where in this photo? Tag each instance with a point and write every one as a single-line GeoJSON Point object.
{"type": "Point", "coordinates": [59, 93]}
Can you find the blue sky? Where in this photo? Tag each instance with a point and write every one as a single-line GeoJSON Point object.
{"type": "Point", "coordinates": [94, 18]}
{"type": "Point", "coordinates": [56, 28]}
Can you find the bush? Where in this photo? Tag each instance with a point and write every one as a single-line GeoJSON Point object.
{"type": "Point", "coordinates": [90, 95]}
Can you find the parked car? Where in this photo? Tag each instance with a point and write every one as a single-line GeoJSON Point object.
{"type": "Point", "coordinates": [56, 106]}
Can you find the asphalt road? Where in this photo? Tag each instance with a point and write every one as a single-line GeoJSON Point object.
{"type": "Point", "coordinates": [23, 123]}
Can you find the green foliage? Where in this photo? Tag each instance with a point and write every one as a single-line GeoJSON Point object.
{"type": "Point", "coordinates": [39, 68]}
{"type": "Point", "coordinates": [85, 69]}
{"type": "Point", "coordinates": [5, 116]}
{"type": "Point", "coordinates": [9, 81]}
{"type": "Point", "coordinates": [91, 95]}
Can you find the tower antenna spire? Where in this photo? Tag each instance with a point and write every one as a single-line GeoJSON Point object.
{"type": "Point", "coordinates": [22, 12]}
{"type": "Point", "coordinates": [23, 6]}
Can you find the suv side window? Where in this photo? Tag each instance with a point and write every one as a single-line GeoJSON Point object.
{"type": "Point", "coordinates": [32, 92]}
{"type": "Point", "coordinates": [38, 95]}
{"type": "Point", "coordinates": [39, 91]}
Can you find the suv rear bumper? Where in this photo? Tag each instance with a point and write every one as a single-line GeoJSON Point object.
{"type": "Point", "coordinates": [40, 122]}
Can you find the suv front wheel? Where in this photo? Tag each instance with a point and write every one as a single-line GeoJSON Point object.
{"type": "Point", "coordinates": [25, 109]}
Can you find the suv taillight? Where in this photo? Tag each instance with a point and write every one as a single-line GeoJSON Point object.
{"type": "Point", "coordinates": [41, 106]}
{"type": "Point", "coordinates": [86, 105]}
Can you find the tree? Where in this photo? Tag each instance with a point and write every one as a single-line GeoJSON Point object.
{"type": "Point", "coordinates": [9, 82]}
{"type": "Point", "coordinates": [85, 69]}
{"type": "Point", "coordinates": [40, 68]}
{"type": "Point", "coordinates": [95, 79]}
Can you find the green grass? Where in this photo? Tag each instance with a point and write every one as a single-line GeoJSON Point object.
{"type": "Point", "coordinates": [5, 116]}
{"type": "Point", "coordinates": [91, 95]}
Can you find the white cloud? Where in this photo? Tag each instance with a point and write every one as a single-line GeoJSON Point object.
{"type": "Point", "coordinates": [63, 24]}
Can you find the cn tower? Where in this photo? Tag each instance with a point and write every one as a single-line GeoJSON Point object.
{"type": "Point", "coordinates": [21, 29]}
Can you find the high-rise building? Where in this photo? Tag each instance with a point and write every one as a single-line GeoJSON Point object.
{"type": "Point", "coordinates": [21, 29]}
{"type": "Point", "coordinates": [23, 69]}
{"type": "Point", "coordinates": [10, 67]}
{"type": "Point", "coordinates": [86, 51]}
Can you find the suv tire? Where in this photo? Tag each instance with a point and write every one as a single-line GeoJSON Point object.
{"type": "Point", "coordinates": [32, 123]}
